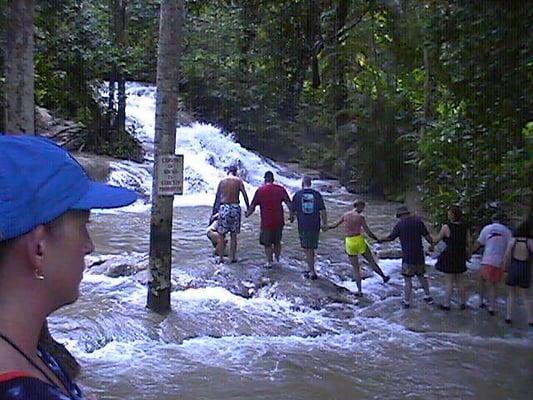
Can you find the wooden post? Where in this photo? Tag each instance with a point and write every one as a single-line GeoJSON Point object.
{"type": "Point", "coordinates": [168, 53]}
{"type": "Point", "coordinates": [19, 68]}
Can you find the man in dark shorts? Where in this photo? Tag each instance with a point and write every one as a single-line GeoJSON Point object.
{"type": "Point", "coordinates": [229, 211]}
{"type": "Point", "coordinates": [270, 198]}
{"type": "Point", "coordinates": [308, 207]}
{"type": "Point", "coordinates": [410, 229]}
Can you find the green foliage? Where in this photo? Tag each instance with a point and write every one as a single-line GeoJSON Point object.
{"type": "Point", "coordinates": [386, 94]}
{"type": "Point", "coordinates": [124, 147]}
{"type": "Point", "coordinates": [479, 150]}
{"type": "Point", "coordinates": [463, 167]}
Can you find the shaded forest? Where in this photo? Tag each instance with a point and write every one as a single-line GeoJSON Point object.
{"type": "Point", "coordinates": [387, 95]}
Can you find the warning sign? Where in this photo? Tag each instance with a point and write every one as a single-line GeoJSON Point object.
{"type": "Point", "coordinates": [170, 178]}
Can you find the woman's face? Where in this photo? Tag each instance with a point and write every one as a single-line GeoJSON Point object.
{"type": "Point", "coordinates": [69, 243]}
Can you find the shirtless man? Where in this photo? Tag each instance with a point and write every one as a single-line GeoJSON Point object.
{"type": "Point", "coordinates": [229, 213]}
{"type": "Point", "coordinates": [356, 245]}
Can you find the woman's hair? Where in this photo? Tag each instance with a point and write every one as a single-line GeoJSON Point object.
{"type": "Point", "coordinates": [359, 203]}
{"type": "Point", "coordinates": [457, 214]}
{"type": "Point", "coordinates": [524, 229]}
{"type": "Point", "coordinates": [5, 247]}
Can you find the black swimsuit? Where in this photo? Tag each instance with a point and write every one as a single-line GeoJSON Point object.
{"type": "Point", "coordinates": [519, 273]}
{"type": "Point", "coordinates": [453, 259]}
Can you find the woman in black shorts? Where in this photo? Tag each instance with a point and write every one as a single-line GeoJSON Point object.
{"type": "Point", "coordinates": [518, 262]}
{"type": "Point", "coordinates": [452, 261]}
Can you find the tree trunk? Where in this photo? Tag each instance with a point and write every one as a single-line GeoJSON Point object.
{"type": "Point", "coordinates": [429, 84]}
{"type": "Point", "coordinates": [121, 42]}
{"type": "Point", "coordinates": [19, 88]}
{"type": "Point", "coordinates": [429, 55]}
{"type": "Point", "coordinates": [314, 39]}
{"type": "Point", "coordinates": [340, 63]}
{"type": "Point", "coordinates": [20, 118]}
{"type": "Point", "coordinates": [168, 53]}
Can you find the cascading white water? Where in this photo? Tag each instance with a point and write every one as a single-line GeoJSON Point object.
{"type": "Point", "coordinates": [207, 151]}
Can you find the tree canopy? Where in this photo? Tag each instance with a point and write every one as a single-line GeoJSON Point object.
{"type": "Point", "coordinates": [386, 94]}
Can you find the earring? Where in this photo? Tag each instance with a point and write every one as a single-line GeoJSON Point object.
{"type": "Point", "coordinates": [38, 275]}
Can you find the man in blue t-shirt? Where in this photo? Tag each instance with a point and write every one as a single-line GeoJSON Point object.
{"type": "Point", "coordinates": [308, 206]}
{"type": "Point", "coordinates": [410, 229]}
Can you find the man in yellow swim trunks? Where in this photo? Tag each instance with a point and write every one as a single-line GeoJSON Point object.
{"type": "Point", "coordinates": [356, 244]}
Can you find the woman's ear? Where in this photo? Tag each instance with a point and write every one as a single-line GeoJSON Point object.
{"type": "Point", "coordinates": [35, 247]}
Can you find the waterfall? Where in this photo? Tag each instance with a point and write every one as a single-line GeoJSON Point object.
{"type": "Point", "coordinates": [207, 151]}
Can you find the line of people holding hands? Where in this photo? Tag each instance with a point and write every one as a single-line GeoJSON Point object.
{"type": "Point", "coordinates": [504, 251]}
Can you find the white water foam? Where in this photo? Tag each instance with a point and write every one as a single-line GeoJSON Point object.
{"type": "Point", "coordinates": [207, 151]}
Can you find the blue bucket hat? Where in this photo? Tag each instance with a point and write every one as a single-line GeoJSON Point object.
{"type": "Point", "coordinates": [39, 182]}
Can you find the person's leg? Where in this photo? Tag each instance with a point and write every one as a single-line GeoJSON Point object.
{"type": "Point", "coordinates": [425, 284]}
{"type": "Point", "coordinates": [221, 245]}
{"type": "Point", "coordinates": [372, 262]}
{"type": "Point", "coordinates": [310, 257]}
{"type": "Point", "coordinates": [461, 290]}
{"type": "Point", "coordinates": [407, 290]}
{"type": "Point", "coordinates": [511, 299]}
{"type": "Point", "coordinates": [524, 293]}
{"type": "Point", "coordinates": [277, 250]}
{"type": "Point", "coordinates": [268, 253]}
{"type": "Point", "coordinates": [354, 260]}
{"type": "Point", "coordinates": [492, 298]}
{"type": "Point", "coordinates": [265, 239]}
{"type": "Point", "coordinates": [481, 292]}
{"type": "Point", "coordinates": [449, 278]}
{"type": "Point", "coordinates": [233, 246]}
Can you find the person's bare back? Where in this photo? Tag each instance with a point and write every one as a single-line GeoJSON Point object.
{"type": "Point", "coordinates": [353, 223]}
{"type": "Point", "coordinates": [229, 189]}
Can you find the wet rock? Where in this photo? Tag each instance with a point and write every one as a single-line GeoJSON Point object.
{"type": "Point", "coordinates": [97, 167]}
{"type": "Point", "coordinates": [390, 253]}
{"type": "Point", "coordinates": [115, 266]}
{"type": "Point", "coordinates": [67, 134]}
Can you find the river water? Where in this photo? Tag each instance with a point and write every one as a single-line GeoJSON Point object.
{"type": "Point", "coordinates": [238, 331]}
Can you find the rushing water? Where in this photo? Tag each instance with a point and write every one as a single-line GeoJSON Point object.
{"type": "Point", "coordinates": [288, 337]}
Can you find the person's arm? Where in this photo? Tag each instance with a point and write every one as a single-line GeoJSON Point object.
{"type": "Point", "coordinates": [322, 211]}
{"type": "Point", "coordinates": [324, 218]}
{"type": "Point", "coordinates": [424, 231]}
{"type": "Point", "coordinates": [367, 229]}
{"type": "Point", "coordinates": [336, 224]}
{"type": "Point", "coordinates": [481, 240]}
{"type": "Point", "coordinates": [254, 203]}
{"type": "Point", "coordinates": [469, 245]}
{"type": "Point", "coordinates": [392, 236]}
{"type": "Point", "coordinates": [429, 239]}
{"type": "Point", "coordinates": [245, 195]}
{"type": "Point", "coordinates": [292, 212]}
{"type": "Point", "coordinates": [444, 233]}
{"type": "Point", "coordinates": [508, 254]}
{"type": "Point", "coordinates": [287, 200]}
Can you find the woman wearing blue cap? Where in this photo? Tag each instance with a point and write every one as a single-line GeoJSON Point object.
{"type": "Point", "coordinates": [45, 202]}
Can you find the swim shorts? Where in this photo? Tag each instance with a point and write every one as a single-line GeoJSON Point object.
{"type": "Point", "coordinates": [309, 239]}
{"type": "Point", "coordinates": [269, 237]}
{"type": "Point", "coordinates": [519, 274]}
{"type": "Point", "coordinates": [491, 273]}
{"type": "Point", "coordinates": [229, 218]}
{"type": "Point", "coordinates": [410, 270]}
{"type": "Point", "coordinates": [356, 245]}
